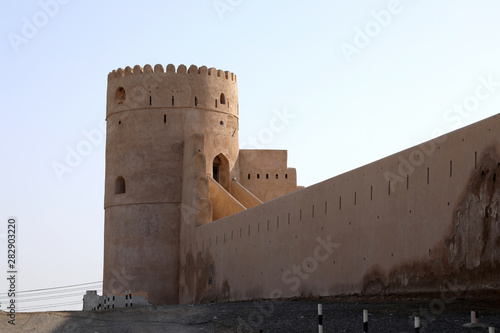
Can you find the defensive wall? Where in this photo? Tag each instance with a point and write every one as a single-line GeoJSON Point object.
{"type": "Point", "coordinates": [419, 220]}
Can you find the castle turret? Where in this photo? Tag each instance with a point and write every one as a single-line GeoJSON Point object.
{"type": "Point", "coordinates": [151, 114]}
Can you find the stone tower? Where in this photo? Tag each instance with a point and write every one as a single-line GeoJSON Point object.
{"type": "Point", "coordinates": [167, 131]}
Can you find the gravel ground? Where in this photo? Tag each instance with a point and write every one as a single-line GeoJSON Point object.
{"type": "Point", "coordinates": [389, 314]}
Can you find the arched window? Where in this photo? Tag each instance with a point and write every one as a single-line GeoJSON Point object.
{"type": "Point", "coordinates": [120, 95]}
{"type": "Point", "coordinates": [120, 185]}
{"type": "Point", "coordinates": [222, 99]}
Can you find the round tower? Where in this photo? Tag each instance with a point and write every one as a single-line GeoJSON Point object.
{"type": "Point", "coordinates": [150, 114]}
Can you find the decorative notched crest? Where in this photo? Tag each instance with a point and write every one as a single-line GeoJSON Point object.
{"type": "Point", "coordinates": [182, 69]}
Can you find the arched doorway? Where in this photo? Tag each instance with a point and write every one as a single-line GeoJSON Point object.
{"type": "Point", "coordinates": [220, 170]}
{"type": "Point", "coordinates": [216, 168]}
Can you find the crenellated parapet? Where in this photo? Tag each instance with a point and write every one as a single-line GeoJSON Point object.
{"type": "Point", "coordinates": [171, 87]}
{"type": "Point", "coordinates": [159, 69]}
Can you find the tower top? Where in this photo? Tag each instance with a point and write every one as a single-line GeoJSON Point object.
{"type": "Point", "coordinates": [158, 87]}
{"type": "Point", "coordinates": [182, 69]}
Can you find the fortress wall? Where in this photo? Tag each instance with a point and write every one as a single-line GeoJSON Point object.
{"type": "Point", "coordinates": [265, 173]}
{"type": "Point", "coordinates": [431, 226]}
{"type": "Point", "coordinates": [149, 161]}
{"type": "Point", "coordinates": [142, 224]}
{"type": "Point", "coordinates": [138, 234]}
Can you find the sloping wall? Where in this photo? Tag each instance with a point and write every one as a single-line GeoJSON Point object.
{"type": "Point", "coordinates": [243, 195]}
{"type": "Point", "coordinates": [418, 220]}
{"type": "Point", "coordinates": [223, 203]}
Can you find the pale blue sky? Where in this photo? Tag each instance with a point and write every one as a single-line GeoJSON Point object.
{"type": "Point", "coordinates": [393, 92]}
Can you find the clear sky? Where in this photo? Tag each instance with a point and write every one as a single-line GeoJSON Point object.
{"type": "Point", "coordinates": [352, 81]}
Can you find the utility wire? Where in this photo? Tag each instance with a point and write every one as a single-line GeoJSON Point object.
{"type": "Point", "coordinates": [53, 288]}
{"type": "Point", "coordinates": [22, 301]}
{"type": "Point", "coordinates": [81, 289]}
{"type": "Point", "coordinates": [53, 293]}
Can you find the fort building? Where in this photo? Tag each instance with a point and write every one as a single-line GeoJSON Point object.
{"type": "Point", "coordinates": [189, 217]}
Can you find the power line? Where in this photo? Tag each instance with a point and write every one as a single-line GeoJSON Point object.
{"type": "Point", "coordinates": [81, 289]}
{"type": "Point", "coordinates": [22, 301]}
{"type": "Point", "coordinates": [53, 288]}
{"type": "Point", "coordinates": [52, 293]}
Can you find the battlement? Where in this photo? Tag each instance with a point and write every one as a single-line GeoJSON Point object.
{"type": "Point", "coordinates": [181, 70]}
{"type": "Point", "coordinates": [158, 87]}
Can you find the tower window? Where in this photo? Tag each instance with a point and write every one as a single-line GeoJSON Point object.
{"type": "Point", "coordinates": [164, 118]}
{"type": "Point", "coordinates": [120, 95]}
{"type": "Point", "coordinates": [120, 185]}
{"type": "Point", "coordinates": [216, 103]}
{"type": "Point", "coordinates": [222, 99]}
{"type": "Point", "coordinates": [172, 100]}
{"type": "Point", "coordinates": [195, 101]}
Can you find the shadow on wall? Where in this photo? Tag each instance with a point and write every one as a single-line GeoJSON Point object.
{"type": "Point", "coordinates": [472, 251]}
{"type": "Point", "coordinates": [200, 276]}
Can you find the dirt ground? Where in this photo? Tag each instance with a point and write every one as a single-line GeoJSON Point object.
{"type": "Point", "coordinates": [438, 313]}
